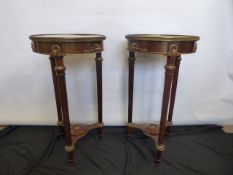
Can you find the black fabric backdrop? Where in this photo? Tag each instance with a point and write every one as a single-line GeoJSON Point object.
{"type": "Point", "coordinates": [190, 150]}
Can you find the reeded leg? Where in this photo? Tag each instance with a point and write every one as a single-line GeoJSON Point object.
{"type": "Point", "coordinates": [170, 66]}
{"type": "Point", "coordinates": [173, 93]}
{"type": "Point", "coordinates": [130, 91]}
{"type": "Point", "coordinates": [58, 103]}
{"type": "Point", "coordinates": [60, 73]}
{"type": "Point", "coordinates": [99, 91]}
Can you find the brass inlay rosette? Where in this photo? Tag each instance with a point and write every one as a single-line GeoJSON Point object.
{"type": "Point", "coordinates": [56, 50]}
{"type": "Point", "coordinates": [69, 148]}
{"type": "Point", "coordinates": [160, 147]}
{"type": "Point", "coordinates": [173, 51]}
{"type": "Point", "coordinates": [130, 125]}
{"type": "Point", "coordinates": [60, 123]}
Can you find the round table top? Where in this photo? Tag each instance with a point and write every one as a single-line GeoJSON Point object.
{"type": "Point", "coordinates": [67, 37]}
{"type": "Point", "coordinates": [162, 37]}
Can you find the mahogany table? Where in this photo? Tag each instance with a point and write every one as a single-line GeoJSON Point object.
{"type": "Point", "coordinates": [172, 46]}
{"type": "Point", "coordinates": [57, 46]}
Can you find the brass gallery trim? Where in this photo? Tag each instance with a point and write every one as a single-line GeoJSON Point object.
{"type": "Point", "coordinates": [160, 147]}
{"type": "Point", "coordinates": [94, 48]}
{"type": "Point", "coordinates": [136, 47]}
{"type": "Point", "coordinates": [69, 148]}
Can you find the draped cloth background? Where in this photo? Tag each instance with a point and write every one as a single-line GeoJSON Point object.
{"type": "Point", "coordinates": [206, 78]}
{"type": "Point", "coordinates": [192, 150]}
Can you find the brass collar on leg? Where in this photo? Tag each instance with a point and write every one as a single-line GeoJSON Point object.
{"type": "Point", "coordinates": [160, 147]}
{"type": "Point", "coordinates": [169, 123]}
{"type": "Point", "coordinates": [99, 125]}
{"type": "Point", "coordinates": [130, 125]}
{"type": "Point", "coordinates": [60, 123]}
{"type": "Point", "coordinates": [69, 148]}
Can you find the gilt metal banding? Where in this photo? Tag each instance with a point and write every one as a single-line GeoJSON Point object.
{"type": "Point", "coordinates": [32, 45]}
{"type": "Point", "coordinates": [94, 48]}
{"type": "Point", "coordinates": [160, 147]}
{"type": "Point", "coordinates": [69, 148]}
{"type": "Point", "coordinates": [136, 47]}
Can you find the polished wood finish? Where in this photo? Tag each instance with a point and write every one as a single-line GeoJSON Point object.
{"type": "Point", "coordinates": [55, 83]}
{"type": "Point", "coordinates": [130, 90]}
{"type": "Point", "coordinates": [172, 46]}
{"type": "Point", "coordinates": [166, 93]}
{"type": "Point", "coordinates": [99, 89]}
{"type": "Point", "coordinates": [57, 46]}
{"type": "Point", "coordinates": [173, 92]}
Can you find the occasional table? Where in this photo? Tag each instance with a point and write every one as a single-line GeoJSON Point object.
{"type": "Point", "coordinates": [57, 46]}
{"type": "Point", "coordinates": [172, 46]}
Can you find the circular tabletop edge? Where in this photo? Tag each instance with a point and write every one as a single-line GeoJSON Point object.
{"type": "Point", "coordinates": [67, 37]}
{"type": "Point", "coordinates": [162, 37]}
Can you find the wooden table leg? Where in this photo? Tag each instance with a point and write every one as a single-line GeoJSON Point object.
{"type": "Point", "coordinates": [57, 98]}
{"type": "Point", "coordinates": [99, 92]}
{"type": "Point", "coordinates": [173, 93]}
{"type": "Point", "coordinates": [170, 67]}
{"type": "Point", "coordinates": [60, 73]}
{"type": "Point", "coordinates": [130, 91]}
